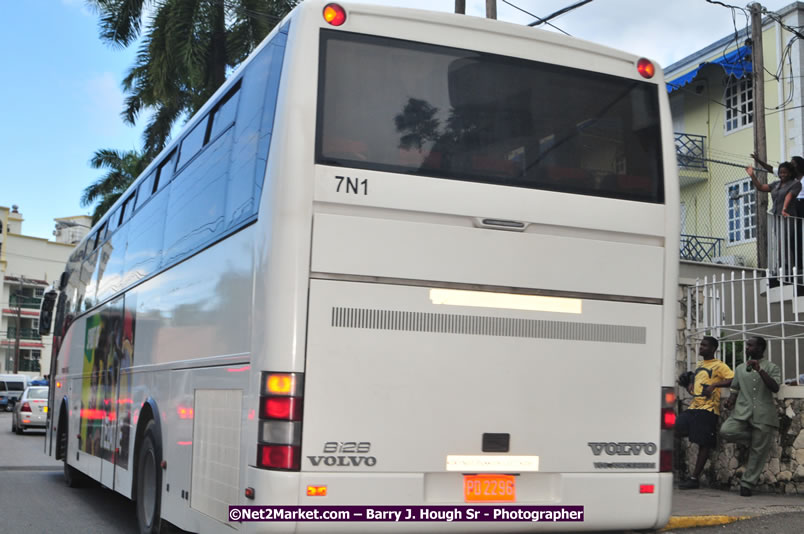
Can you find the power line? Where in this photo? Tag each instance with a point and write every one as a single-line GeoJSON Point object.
{"type": "Point", "coordinates": [559, 12]}
{"type": "Point", "coordinates": [534, 16]}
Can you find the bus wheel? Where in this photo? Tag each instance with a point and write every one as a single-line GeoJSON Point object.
{"type": "Point", "coordinates": [72, 476]}
{"type": "Point", "coordinates": [149, 482]}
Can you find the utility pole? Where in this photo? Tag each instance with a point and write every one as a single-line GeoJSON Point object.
{"type": "Point", "coordinates": [760, 142]}
{"type": "Point", "coordinates": [491, 9]}
{"type": "Point", "coordinates": [19, 329]}
{"type": "Point", "coordinates": [460, 7]}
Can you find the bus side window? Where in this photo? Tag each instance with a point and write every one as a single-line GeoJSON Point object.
{"type": "Point", "coordinates": [224, 113]}
{"type": "Point", "coordinates": [145, 190]}
{"type": "Point", "coordinates": [165, 173]}
{"type": "Point", "coordinates": [258, 94]}
{"type": "Point", "coordinates": [127, 208]}
{"type": "Point", "coordinates": [114, 221]}
{"type": "Point", "coordinates": [193, 142]}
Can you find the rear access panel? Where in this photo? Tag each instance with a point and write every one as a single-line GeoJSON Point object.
{"type": "Point", "coordinates": [407, 379]}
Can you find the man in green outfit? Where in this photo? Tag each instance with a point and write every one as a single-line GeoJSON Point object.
{"type": "Point", "coordinates": [754, 420]}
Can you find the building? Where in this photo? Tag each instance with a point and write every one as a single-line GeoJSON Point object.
{"type": "Point", "coordinates": [71, 230]}
{"type": "Point", "coordinates": [28, 265]}
{"type": "Point", "coordinates": [712, 104]}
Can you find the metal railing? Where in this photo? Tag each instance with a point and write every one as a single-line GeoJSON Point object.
{"type": "Point", "coordinates": [690, 151]}
{"type": "Point", "coordinates": [736, 307]}
{"type": "Point", "coordinates": [785, 248]}
{"type": "Point", "coordinates": [700, 248]}
{"type": "Point", "coordinates": [25, 302]}
{"type": "Point", "coordinates": [25, 333]}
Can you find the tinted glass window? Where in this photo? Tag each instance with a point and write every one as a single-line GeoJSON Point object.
{"type": "Point", "coordinates": [224, 114]}
{"type": "Point", "coordinates": [404, 107]}
{"type": "Point", "coordinates": [145, 190]}
{"type": "Point", "coordinates": [193, 142]}
{"type": "Point", "coordinates": [114, 220]}
{"type": "Point", "coordinates": [14, 386]}
{"type": "Point", "coordinates": [165, 173]}
{"type": "Point", "coordinates": [128, 208]}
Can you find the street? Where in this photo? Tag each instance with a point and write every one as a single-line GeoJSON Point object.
{"type": "Point", "coordinates": [35, 498]}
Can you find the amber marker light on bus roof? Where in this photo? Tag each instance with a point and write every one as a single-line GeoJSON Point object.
{"type": "Point", "coordinates": [646, 68]}
{"type": "Point", "coordinates": [505, 301]}
{"type": "Point", "coordinates": [334, 14]}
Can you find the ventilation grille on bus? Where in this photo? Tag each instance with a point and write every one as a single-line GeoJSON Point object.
{"type": "Point", "coordinates": [445, 323]}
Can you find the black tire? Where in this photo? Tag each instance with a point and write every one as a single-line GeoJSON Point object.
{"type": "Point", "coordinates": [18, 429]}
{"type": "Point", "coordinates": [13, 425]}
{"type": "Point", "coordinates": [73, 477]}
{"type": "Point", "coordinates": [149, 482]}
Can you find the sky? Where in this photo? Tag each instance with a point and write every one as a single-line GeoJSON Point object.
{"type": "Point", "coordinates": [61, 86]}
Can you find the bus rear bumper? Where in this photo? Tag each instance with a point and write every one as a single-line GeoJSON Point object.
{"type": "Point", "coordinates": [619, 501]}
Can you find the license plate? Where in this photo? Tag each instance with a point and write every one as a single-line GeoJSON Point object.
{"type": "Point", "coordinates": [489, 488]}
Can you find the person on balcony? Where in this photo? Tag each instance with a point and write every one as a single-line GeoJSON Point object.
{"type": "Point", "coordinates": [784, 193]}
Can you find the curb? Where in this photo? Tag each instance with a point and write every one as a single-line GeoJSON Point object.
{"type": "Point", "coordinates": [690, 521]}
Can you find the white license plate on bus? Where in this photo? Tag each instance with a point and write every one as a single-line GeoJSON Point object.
{"type": "Point", "coordinates": [489, 488]}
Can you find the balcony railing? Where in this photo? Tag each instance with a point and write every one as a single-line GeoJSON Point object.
{"type": "Point", "coordinates": [25, 302]}
{"type": "Point", "coordinates": [25, 333]}
{"type": "Point", "coordinates": [700, 248]}
{"type": "Point", "coordinates": [690, 151]}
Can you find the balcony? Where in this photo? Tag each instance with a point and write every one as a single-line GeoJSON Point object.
{"type": "Point", "coordinates": [690, 156]}
{"type": "Point", "coordinates": [690, 151]}
{"type": "Point", "coordinates": [32, 303]}
{"type": "Point", "coordinates": [28, 334]}
{"type": "Point", "coordinates": [700, 248]}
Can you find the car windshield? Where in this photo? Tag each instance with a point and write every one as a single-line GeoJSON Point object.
{"type": "Point", "coordinates": [15, 386]}
{"type": "Point", "coordinates": [37, 393]}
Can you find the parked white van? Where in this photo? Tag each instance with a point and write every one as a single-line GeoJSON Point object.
{"type": "Point", "coordinates": [11, 388]}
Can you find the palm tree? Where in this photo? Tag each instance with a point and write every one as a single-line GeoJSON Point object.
{"type": "Point", "coordinates": [186, 50]}
{"type": "Point", "coordinates": [123, 169]}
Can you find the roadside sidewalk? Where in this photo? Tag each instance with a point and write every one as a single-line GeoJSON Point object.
{"type": "Point", "coordinates": [705, 507]}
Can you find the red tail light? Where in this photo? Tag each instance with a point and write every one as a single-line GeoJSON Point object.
{"type": "Point", "coordinates": [668, 418]}
{"type": "Point", "coordinates": [25, 407]}
{"type": "Point", "coordinates": [281, 409]}
{"type": "Point", "coordinates": [668, 422]}
{"type": "Point", "coordinates": [287, 408]}
{"type": "Point", "coordinates": [334, 14]}
{"type": "Point", "coordinates": [666, 461]}
{"type": "Point", "coordinates": [284, 457]}
{"type": "Point", "coordinates": [646, 68]}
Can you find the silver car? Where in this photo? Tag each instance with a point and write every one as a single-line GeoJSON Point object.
{"type": "Point", "coordinates": [31, 410]}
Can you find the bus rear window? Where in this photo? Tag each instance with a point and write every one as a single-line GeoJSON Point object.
{"type": "Point", "coordinates": [412, 108]}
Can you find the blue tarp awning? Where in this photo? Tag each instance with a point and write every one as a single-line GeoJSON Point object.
{"type": "Point", "coordinates": [736, 63]}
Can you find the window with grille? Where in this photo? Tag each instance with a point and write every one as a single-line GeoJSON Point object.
{"type": "Point", "coordinates": [741, 211]}
{"type": "Point", "coordinates": [739, 103]}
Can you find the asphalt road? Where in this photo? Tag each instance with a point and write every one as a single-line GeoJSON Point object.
{"type": "Point", "coordinates": [34, 498]}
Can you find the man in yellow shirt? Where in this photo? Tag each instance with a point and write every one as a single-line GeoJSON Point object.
{"type": "Point", "coordinates": [699, 422]}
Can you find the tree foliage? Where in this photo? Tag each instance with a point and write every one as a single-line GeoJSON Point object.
{"type": "Point", "coordinates": [122, 169]}
{"type": "Point", "coordinates": [186, 49]}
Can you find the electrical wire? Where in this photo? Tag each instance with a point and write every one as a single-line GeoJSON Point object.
{"type": "Point", "coordinates": [559, 12]}
{"type": "Point", "coordinates": [535, 17]}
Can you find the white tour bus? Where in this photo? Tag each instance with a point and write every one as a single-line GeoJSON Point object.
{"type": "Point", "coordinates": [399, 258]}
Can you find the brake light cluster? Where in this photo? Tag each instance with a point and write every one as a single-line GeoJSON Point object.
{"type": "Point", "coordinates": [280, 421]}
{"type": "Point", "coordinates": [668, 423]}
{"type": "Point", "coordinates": [334, 14]}
{"type": "Point", "coordinates": [26, 407]}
